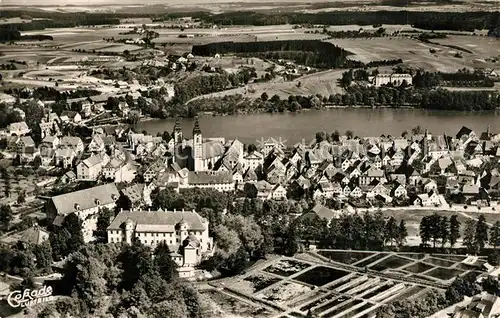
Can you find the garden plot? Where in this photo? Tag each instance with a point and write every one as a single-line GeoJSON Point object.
{"type": "Point", "coordinates": [228, 306]}
{"type": "Point", "coordinates": [391, 262]}
{"type": "Point", "coordinates": [284, 292]}
{"type": "Point", "coordinates": [453, 258]}
{"type": "Point", "coordinates": [254, 283]}
{"type": "Point", "coordinates": [379, 290]}
{"type": "Point", "coordinates": [439, 262]}
{"type": "Point", "coordinates": [418, 267]}
{"type": "Point", "coordinates": [318, 302]}
{"type": "Point", "coordinates": [304, 299]}
{"type": "Point", "coordinates": [357, 310]}
{"type": "Point", "coordinates": [321, 275]}
{"type": "Point", "coordinates": [352, 284]}
{"type": "Point", "coordinates": [345, 257]}
{"type": "Point", "coordinates": [409, 292]}
{"type": "Point", "coordinates": [286, 267]}
{"type": "Point", "coordinates": [342, 308]}
{"type": "Point", "coordinates": [444, 273]}
{"type": "Point", "coordinates": [370, 260]}
{"type": "Point", "coordinates": [331, 304]}
{"type": "Point", "coordinates": [417, 256]}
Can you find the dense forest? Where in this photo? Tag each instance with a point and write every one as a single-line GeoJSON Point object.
{"type": "Point", "coordinates": [458, 21]}
{"type": "Point", "coordinates": [307, 52]}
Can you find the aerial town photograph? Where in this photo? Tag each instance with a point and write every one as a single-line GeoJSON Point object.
{"type": "Point", "coordinates": [250, 158]}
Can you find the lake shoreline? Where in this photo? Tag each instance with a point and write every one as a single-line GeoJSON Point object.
{"type": "Point", "coordinates": [295, 127]}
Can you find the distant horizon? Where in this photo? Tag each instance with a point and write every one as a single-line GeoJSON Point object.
{"type": "Point", "coordinates": [62, 3]}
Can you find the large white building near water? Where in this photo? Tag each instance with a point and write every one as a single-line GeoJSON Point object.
{"type": "Point", "coordinates": [184, 232]}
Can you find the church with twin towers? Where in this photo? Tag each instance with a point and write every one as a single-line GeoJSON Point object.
{"type": "Point", "coordinates": [198, 153]}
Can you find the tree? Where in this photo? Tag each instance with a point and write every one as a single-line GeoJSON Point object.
{"type": "Point", "coordinates": [21, 197]}
{"type": "Point", "coordinates": [164, 264]}
{"type": "Point", "coordinates": [391, 230]}
{"type": "Point", "coordinates": [5, 216]}
{"type": "Point", "coordinates": [264, 97]}
{"type": "Point", "coordinates": [252, 148]}
{"type": "Point", "coordinates": [494, 258]}
{"type": "Point", "coordinates": [349, 134]}
{"type": "Point", "coordinates": [73, 225]}
{"type": "Point", "coordinates": [495, 234]}
{"type": "Point", "coordinates": [37, 162]}
{"type": "Point", "coordinates": [425, 230]}
{"type": "Point", "coordinates": [43, 254]}
{"type": "Point", "coordinates": [417, 130]}
{"type": "Point", "coordinates": [444, 230]}
{"type": "Point", "coordinates": [123, 203]}
{"type": "Point", "coordinates": [462, 286]}
{"type": "Point", "coordinates": [468, 236]}
{"type": "Point", "coordinates": [481, 236]}
{"type": "Point", "coordinates": [402, 233]}
{"type": "Point", "coordinates": [103, 221]}
{"type": "Point", "coordinates": [454, 230]}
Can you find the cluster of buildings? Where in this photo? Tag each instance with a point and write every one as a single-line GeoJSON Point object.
{"type": "Point", "coordinates": [419, 169]}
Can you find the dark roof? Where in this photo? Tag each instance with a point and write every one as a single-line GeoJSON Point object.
{"type": "Point", "coordinates": [463, 132]}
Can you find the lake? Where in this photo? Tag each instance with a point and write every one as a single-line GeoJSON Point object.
{"type": "Point", "coordinates": [293, 127]}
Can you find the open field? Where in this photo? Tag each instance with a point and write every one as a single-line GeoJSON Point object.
{"type": "Point", "coordinates": [417, 54]}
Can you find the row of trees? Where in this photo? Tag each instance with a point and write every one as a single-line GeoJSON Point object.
{"type": "Point", "coordinates": [313, 53]}
{"type": "Point", "coordinates": [475, 236]}
{"type": "Point", "coordinates": [461, 78]}
{"type": "Point", "coordinates": [51, 94]}
{"type": "Point", "coordinates": [430, 20]}
{"type": "Point", "coordinates": [440, 99]}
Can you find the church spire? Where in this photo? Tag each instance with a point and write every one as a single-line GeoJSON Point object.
{"type": "Point", "coordinates": [196, 129]}
{"type": "Point", "coordinates": [177, 126]}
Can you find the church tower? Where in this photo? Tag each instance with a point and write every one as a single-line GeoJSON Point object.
{"type": "Point", "coordinates": [197, 146]}
{"type": "Point", "coordinates": [177, 134]}
{"type": "Point", "coordinates": [425, 144]}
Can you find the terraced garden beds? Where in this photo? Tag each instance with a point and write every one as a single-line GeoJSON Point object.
{"type": "Point", "coordinates": [232, 306]}
{"type": "Point", "coordinates": [372, 259]}
{"type": "Point", "coordinates": [284, 292]}
{"type": "Point", "coordinates": [418, 268]}
{"type": "Point", "coordinates": [450, 257]}
{"type": "Point", "coordinates": [307, 297]}
{"type": "Point", "coordinates": [331, 304]}
{"type": "Point", "coordinates": [391, 262]}
{"type": "Point", "coordinates": [377, 291]}
{"type": "Point", "coordinates": [416, 256]}
{"type": "Point", "coordinates": [343, 308]}
{"type": "Point", "coordinates": [286, 267]}
{"type": "Point", "coordinates": [357, 311]}
{"type": "Point", "coordinates": [345, 257]}
{"type": "Point", "coordinates": [439, 262]}
{"type": "Point", "coordinates": [444, 273]}
{"type": "Point", "coordinates": [254, 283]}
{"type": "Point", "coordinates": [321, 275]}
{"type": "Point", "coordinates": [318, 302]}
